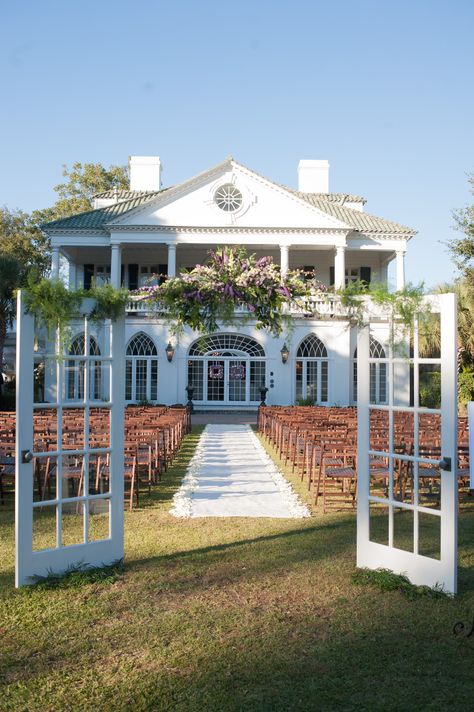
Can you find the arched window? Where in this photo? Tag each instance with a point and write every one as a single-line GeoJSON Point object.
{"type": "Point", "coordinates": [312, 368]}
{"type": "Point", "coordinates": [76, 370]}
{"type": "Point", "coordinates": [141, 369]}
{"type": "Point", "coordinates": [378, 374]}
{"type": "Point", "coordinates": [216, 344]}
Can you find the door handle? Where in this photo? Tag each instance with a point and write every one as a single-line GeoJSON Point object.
{"type": "Point", "coordinates": [26, 456]}
{"type": "Point", "coordinates": [445, 464]}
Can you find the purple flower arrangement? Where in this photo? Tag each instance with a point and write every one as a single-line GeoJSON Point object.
{"type": "Point", "coordinates": [209, 294]}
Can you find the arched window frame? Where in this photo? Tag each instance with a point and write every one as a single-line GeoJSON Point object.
{"type": "Point", "coordinates": [75, 370]}
{"type": "Point", "coordinates": [312, 370]}
{"type": "Point", "coordinates": [141, 369]}
{"type": "Point", "coordinates": [378, 374]}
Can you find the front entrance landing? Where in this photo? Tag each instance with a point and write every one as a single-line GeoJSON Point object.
{"type": "Point", "coordinates": [236, 418]}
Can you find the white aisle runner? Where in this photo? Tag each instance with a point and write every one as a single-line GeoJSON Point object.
{"type": "Point", "coordinates": [231, 475]}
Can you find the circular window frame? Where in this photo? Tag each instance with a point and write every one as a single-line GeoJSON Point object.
{"type": "Point", "coordinates": [228, 198]}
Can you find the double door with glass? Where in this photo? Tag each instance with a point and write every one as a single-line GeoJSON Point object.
{"type": "Point", "coordinates": [228, 380]}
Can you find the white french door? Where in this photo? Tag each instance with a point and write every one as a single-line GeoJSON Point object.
{"type": "Point", "coordinates": [407, 452]}
{"type": "Point", "coordinates": [232, 381]}
{"type": "Point", "coordinates": [69, 453]}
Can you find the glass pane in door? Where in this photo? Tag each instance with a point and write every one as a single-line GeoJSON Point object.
{"type": "Point", "coordinates": [237, 380]}
{"type": "Point", "coordinates": [215, 380]}
{"type": "Point", "coordinates": [257, 379]}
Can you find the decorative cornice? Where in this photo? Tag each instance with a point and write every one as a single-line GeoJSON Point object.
{"type": "Point", "coordinates": [76, 231]}
{"type": "Point", "coordinates": [235, 230]}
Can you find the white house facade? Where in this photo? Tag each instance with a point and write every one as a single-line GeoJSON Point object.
{"type": "Point", "coordinates": [142, 235]}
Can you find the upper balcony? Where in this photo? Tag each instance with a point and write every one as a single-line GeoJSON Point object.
{"type": "Point", "coordinates": [322, 306]}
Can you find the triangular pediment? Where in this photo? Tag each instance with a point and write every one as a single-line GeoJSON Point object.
{"type": "Point", "coordinates": [258, 203]}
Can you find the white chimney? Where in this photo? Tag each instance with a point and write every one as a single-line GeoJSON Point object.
{"type": "Point", "coordinates": [313, 176]}
{"type": "Point", "coordinates": [145, 172]}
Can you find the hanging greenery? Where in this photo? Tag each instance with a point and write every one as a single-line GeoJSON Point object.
{"type": "Point", "coordinates": [231, 279]}
{"type": "Point", "coordinates": [110, 303]}
{"type": "Point", "coordinates": [54, 305]}
{"type": "Point", "coordinates": [361, 300]}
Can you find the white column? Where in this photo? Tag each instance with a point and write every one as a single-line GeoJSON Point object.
{"type": "Point", "coordinates": [284, 259]}
{"type": "Point", "coordinates": [340, 267]}
{"type": "Point", "coordinates": [400, 270]}
{"type": "Point", "coordinates": [115, 266]}
{"type": "Point", "coordinates": [55, 263]}
{"type": "Point", "coordinates": [171, 259]}
{"type": "Point", "coordinates": [72, 275]}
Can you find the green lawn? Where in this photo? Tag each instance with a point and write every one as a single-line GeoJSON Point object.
{"type": "Point", "coordinates": [233, 614]}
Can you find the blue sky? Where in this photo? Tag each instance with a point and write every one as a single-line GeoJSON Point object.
{"type": "Point", "coordinates": [381, 88]}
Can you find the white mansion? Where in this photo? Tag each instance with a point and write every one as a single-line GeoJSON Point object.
{"type": "Point", "coordinates": [135, 237]}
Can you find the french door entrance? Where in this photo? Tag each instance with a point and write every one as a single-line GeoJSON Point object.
{"type": "Point", "coordinates": [226, 370]}
{"type": "Point", "coordinates": [231, 381]}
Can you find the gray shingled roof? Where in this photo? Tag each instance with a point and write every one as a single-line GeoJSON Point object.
{"type": "Point", "coordinates": [363, 222]}
{"type": "Point", "coordinates": [340, 198]}
{"type": "Point", "coordinates": [96, 219]}
{"type": "Point", "coordinates": [126, 194]}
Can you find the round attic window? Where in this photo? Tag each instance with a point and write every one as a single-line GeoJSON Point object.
{"type": "Point", "coordinates": [228, 198]}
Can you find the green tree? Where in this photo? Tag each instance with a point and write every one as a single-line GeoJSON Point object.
{"type": "Point", "coordinates": [23, 245]}
{"type": "Point", "coordinates": [76, 194]}
{"type": "Point", "coordinates": [462, 248]}
{"type": "Point", "coordinates": [12, 274]}
{"type": "Point", "coordinates": [20, 239]}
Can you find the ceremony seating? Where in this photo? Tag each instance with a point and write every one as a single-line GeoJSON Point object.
{"type": "Point", "coordinates": [319, 444]}
{"type": "Point", "coordinates": [152, 436]}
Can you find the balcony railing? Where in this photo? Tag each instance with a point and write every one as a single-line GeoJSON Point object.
{"type": "Point", "coordinates": [322, 307]}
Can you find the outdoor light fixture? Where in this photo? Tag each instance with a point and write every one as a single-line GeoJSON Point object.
{"type": "Point", "coordinates": [284, 353]}
{"type": "Point", "coordinates": [169, 352]}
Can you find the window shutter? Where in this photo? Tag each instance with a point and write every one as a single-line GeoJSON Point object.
{"type": "Point", "coordinates": [365, 274]}
{"type": "Point", "coordinates": [133, 276]}
{"type": "Point", "coordinates": [163, 272]}
{"type": "Point", "coordinates": [88, 276]}
{"type": "Point", "coordinates": [122, 274]}
{"type": "Point", "coordinates": [331, 275]}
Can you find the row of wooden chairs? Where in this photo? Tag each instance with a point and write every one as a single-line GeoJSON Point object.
{"type": "Point", "coordinates": [320, 444]}
{"type": "Point", "coordinates": [153, 435]}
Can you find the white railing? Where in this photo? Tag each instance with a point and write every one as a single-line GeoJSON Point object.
{"type": "Point", "coordinates": [326, 306]}
{"type": "Point", "coordinates": [137, 306]}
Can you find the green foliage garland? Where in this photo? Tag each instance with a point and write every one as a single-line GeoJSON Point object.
{"type": "Point", "coordinates": [54, 305]}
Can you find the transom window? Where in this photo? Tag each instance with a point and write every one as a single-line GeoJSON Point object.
{"type": "Point", "coordinates": [228, 198]}
{"type": "Point", "coordinates": [226, 345]}
{"type": "Point", "coordinates": [312, 347]}
{"type": "Point", "coordinates": [141, 345]}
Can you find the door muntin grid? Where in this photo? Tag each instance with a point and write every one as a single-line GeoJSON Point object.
{"type": "Point", "coordinates": [407, 521]}
{"type": "Point", "coordinates": [67, 518]}
{"type": "Point", "coordinates": [73, 495]}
